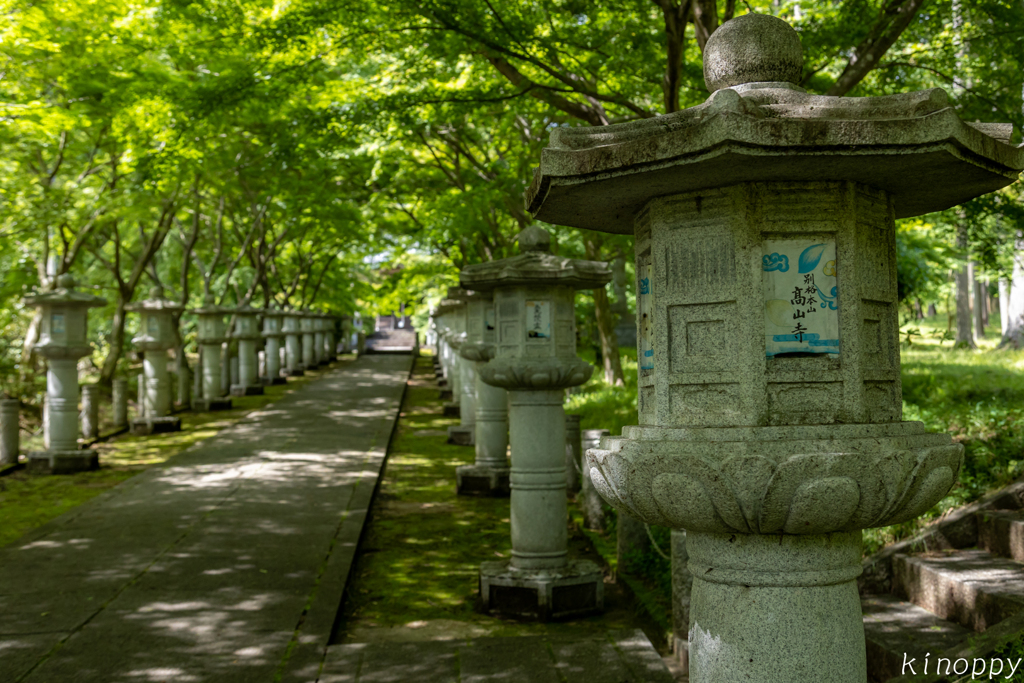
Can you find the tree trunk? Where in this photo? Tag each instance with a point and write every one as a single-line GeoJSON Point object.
{"type": "Point", "coordinates": [605, 323]}
{"type": "Point", "coordinates": [109, 366]}
{"type": "Point", "coordinates": [978, 309]}
{"type": "Point", "coordinates": [918, 310]}
{"type": "Point", "coordinates": [1014, 334]}
{"type": "Point", "coordinates": [932, 312]}
{"type": "Point", "coordinates": [964, 324]}
{"type": "Point", "coordinates": [1004, 305]}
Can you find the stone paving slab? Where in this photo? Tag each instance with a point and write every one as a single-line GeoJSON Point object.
{"type": "Point", "coordinates": [622, 657]}
{"type": "Point", "coordinates": [226, 563]}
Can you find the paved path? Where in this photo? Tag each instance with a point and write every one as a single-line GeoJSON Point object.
{"type": "Point", "coordinates": [227, 563]}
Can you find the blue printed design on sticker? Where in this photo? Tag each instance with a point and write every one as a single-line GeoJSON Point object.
{"type": "Point", "coordinates": [810, 257]}
{"type": "Point", "coordinates": [779, 262]}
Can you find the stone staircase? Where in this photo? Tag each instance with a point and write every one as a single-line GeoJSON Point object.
{"type": "Point", "coordinates": [956, 591]}
{"type": "Point", "coordinates": [400, 340]}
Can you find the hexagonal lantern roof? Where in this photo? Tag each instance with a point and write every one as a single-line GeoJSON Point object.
{"type": "Point", "coordinates": [156, 302]}
{"type": "Point", "coordinates": [64, 294]}
{"type": "Point", "coordinates": [759, 126]}
{"type": "Point", "coordinates": [536, 265]}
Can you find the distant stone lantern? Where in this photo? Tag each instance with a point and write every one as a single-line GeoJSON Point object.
{"type": "Point", "coordinates": [246, 331]}
{"type": "Point", "coordinates": [273, 333]}
{"type": "Point", "coordinates": [319, 328]}
{"type": "Point", "coordinates": [157, 335]}
{"type": "Point", "coordinates": [293, 344]}
{"type": "Point", "coordinates": [63, 339]}
{"type": "Point", "coordinates": [464, 433]}
{"type": "Point", "coordinates": [489, 474]}
{"type": "Point", "coordinates": [535, 360]}
{"type": "Point", "coordinates": [769, 385]}
{"type": "Point", "coordinates": [330, 342]}
{"type": "Point", "coordinates": [212, 333]}
{"type": "Point", "coordinates": [306, 326]}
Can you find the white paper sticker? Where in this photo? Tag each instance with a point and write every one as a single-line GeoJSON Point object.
{"type": "Point", "coordinates": [538, 320]}
{"type": "Point", "coordinates": [801, 297]}
{"type": "Point", "coordinates": [645, 311]}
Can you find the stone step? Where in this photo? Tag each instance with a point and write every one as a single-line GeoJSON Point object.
{"type": "Point", "coordinates": [619, 657]}
{"type": "Point", "coordinates": [973, 588]}
{"type": "Point", "coordinates": [894, 629]}
{"type": "Point", "coordinates": [1001, 532]}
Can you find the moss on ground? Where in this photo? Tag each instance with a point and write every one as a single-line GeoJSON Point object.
{"type": "Point", "coordinates": [28, 501]}
{"type": "Point", "coordinates": [416, 574]}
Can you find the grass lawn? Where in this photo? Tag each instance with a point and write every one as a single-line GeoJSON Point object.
{"type": "Point", "coordinates": [30, 500]}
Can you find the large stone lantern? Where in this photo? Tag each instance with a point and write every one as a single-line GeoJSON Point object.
{"type": "Point", "coordinates": [489, 474]}
{"type": "Point", "coordinates": [535, 360]}
{"type": "Point", "coordinates": [769, 386]}
{"type": "Point", "coordinates": [211, 334]}
{"type": "Point", "coordinates": [273, 334]}
{"type": "Point", "coordinates": [157, 334]}
{"type": "Point", "coordinates": [64, 324]}
{"type": "Point", "coordinates": [246, 331]}
{"type": "Point", "coordinates": [293, 344]}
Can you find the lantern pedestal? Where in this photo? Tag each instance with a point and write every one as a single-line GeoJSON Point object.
{"type": "Point", "coordinates": [209, 405]}
{"type": "Point", "coordinates": [247, 333]}
{"type": "Point", "coordinates": [292, 346]}
{"type": "Point", "coordinates": [211, 336]}
{"type": "Point", "coordinates": [56, 461]}
{"type": "Point", "coordinates": [144, 426]}
{"type": "Point", "coordinates": [576, 590]}
{"type": "Point", "coordinates": [461, 435]}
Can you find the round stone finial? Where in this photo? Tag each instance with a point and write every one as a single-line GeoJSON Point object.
{"type": "Point", "coordinates": [66, 281]}
{"type": "Point", "coordinates": [156, 292]}
{"type": "Point", "coordinates": [534, 238]}
{"type": "Point", "coordinates": [209, 301]}
{"type": "Point", "coordinates": [753, 48]}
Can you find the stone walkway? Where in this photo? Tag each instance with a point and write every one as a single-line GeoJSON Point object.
{"type": "Point", "coordinates": [227, 563]}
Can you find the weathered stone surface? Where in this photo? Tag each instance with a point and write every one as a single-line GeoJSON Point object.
{"type": "Point", "coordinates": [1001, 532]}
{"type": "Point", "coordinates": [753, 48]}
{"type": "Point", "coordinates": [575, 589]}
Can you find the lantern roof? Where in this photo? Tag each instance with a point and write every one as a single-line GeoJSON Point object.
{"type": "Point", "coordinates": [64, 294]}
{"type": "Point", "coordinates": [210, 307]}
{"type": "Point", "coordinates": [156, 302]}
{"type": "Point", "coordinates": [536, 265]}
{"type": "Point", "coordinates": [758, 125]}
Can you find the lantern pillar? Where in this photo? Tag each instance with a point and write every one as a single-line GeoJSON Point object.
{"type": "Point", "coordinates": [309, 360]}
{"type": "Point", "coordinates": [293, 344]}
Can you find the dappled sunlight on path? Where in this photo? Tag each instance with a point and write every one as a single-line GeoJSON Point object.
{"type": "Point", "coordinates": [226, 563]}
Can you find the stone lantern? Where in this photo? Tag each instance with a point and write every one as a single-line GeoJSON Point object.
{"type": "Point", "coordinates": [488, 475]}
{"type": "Point", "coordinates": [769, 385]}
{"type": "Point", "coordinates": [330, 343]}
{"type": "Point", "coordinates": [535, 360]}
{"type": "Point", "coordinates": [157, 334]}
{"type": "Point", "coordinates": [464, 389]}
{"type": "Point", "coordinates": [309, 356]}
{"type": "Point", "coordinates": [247, 332]}
{"type": "Point", "coordinates": [64, 318]}
{"type": "Point", "coordinates": [320, 328]}
{"type": "Point", "coordinates": [293, 344]}
{"type": "Point", "coordinates": [346, 333]}
{"type": "Point", "coordinates": [211, 334]}
{"type": "Point", "coordinates": [273, 333]}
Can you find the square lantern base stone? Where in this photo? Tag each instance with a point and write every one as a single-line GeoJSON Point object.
{"type": "Point", "coordinates": [297, 372]}
{"type": "Point", "coordinates": [62, 462]}
{"type": "Point", "coordinates": [451, 410]}
{"type": "Point", "coordinates": [155, 425]}
{"type": "Point", "coordinates": [246, 389]}
{"type": "Point", "coordinates": [460, 435]}
{"type": "Point", "coordinates": [273, 381]}
{"type": "Point", "coordinates": [480, 480]}
{"type": "Point", "coordinates": [577, 590]}
{"type": "Point", "coordinates": [211, 404]}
